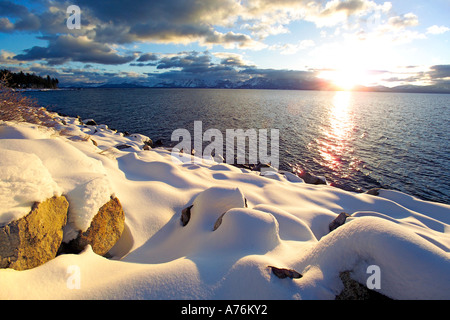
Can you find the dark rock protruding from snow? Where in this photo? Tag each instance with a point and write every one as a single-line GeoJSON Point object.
{"type": "Point", "coordinates": [339, 221]}
{"type": "Point", "coordinates": [354, 290]}
{"type": "Point", "coordinates": [186, 215]}
{"type": "Point", "coordinates": [285, 273]}
{"type": "Point", "coordinates": [374, 191]}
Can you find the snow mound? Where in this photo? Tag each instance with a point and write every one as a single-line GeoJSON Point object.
{"type": "Point", "coordinates": [210, 204]}
{"type": "Point", "coordinates": [248, 231]}
{"type": "Point", "coordinates": [10, 130]}
{"type": "Point", "coordinates": [411, 267]}
{"type": "Point", "coordinates": [23, 180]}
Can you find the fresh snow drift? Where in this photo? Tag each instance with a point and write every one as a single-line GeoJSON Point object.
{"type": "Point", "coordinates": [240, 223]}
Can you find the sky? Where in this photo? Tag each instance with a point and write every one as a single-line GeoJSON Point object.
{"type": "Point", "coordinates": [342, 42]}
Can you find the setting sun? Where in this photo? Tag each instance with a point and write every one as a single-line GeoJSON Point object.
{"type": "Point", "coordinates": [345, 79]}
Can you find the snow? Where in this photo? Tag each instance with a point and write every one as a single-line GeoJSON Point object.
{"type": "Point", "coordinates": [36, 158]}
{"type": "Point", "coordinates": [23, 180]}
{"type": "Point", "coordinates": [241, 222]}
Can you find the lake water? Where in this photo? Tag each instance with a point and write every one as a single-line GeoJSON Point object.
{"type": "Point", "coordinates": [357, 140]}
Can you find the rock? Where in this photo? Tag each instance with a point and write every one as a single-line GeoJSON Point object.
{"type": "Point", "coordinates": [285, 273]}
{"type": "Point", "coordinates": [374, 191]}
{"type": "Point", "coordinates": [122, 146]}
{"type": "Point", "coordinates": [105, 229]}
{"type": "Point", "coordinates": [353, 290]}
{"type": "Point", "coordinates": [158, 143]}
{"type": "Point", "coordinates": [261, 166]}
{"type": "Point", "coordinates": [339, 221]}
{"type": "Point", "coordinates": [90, 122]}
{"type": "Point", "coordinates": [35, 238]}
{"type": "Point", "coordinates": [186, 215]}
{"type": "Point", "coordinates": [148, 143]}
{"type": "Point", "coordinates": [218, 222]}
{"type": "Point", "coordinates": [311, 179]}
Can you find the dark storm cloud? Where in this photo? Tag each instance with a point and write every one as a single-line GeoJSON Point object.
{"type": "Point", "coordinates": [440, 72]}
{"type": "Point", "coordinates": [8, 8]}
{"type": "Point", "coordinates": [177, 21]}
{"type": "Point", "coordinates": [24, 19]}
{"type": "Point", "coordinates": [66, 48]}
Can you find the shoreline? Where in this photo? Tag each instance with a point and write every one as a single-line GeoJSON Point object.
{"type": "Point", "coordinates": [283, 223]}
{"type": "Point", "coordinates": [359, 183]}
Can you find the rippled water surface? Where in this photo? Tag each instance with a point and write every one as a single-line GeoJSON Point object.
{"type": "Point", "coordinates": [356, 140]}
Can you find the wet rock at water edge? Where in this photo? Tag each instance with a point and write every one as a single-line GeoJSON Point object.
{"type": "Point", "coordinates": [90, 122]}
{"type": "Point", "coordinates": [310, 178]}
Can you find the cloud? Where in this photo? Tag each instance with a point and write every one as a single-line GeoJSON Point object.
{"type": "Point", "coordinates": [24, 19]}
{"type": "Point", "coordinates": [440, 72]}
{"type": "Point", "coordinates": [232, 59]}
{"type": "Point", "coordinates": [210, 23]}
{"type": "Point", "coordinates": [437, 30]}
{"type": "Point", "coordinates": [51, 21]}
{"type": "Point", "coordinates": [7, 58]}
{"type": "Point", "coordinates": [64, 48]}
{"type": "Point", "coordinates": [147, 57]}
{"type": "Point", "coordinates": [406, 20]}
{"type": "Point", "coordinates": [170, 21]}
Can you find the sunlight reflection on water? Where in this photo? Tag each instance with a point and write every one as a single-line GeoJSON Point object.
{"type": "Point", "coordinates": [333, 145]}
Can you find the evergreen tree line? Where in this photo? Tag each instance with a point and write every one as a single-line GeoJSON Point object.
{"type": "Point", "coordinates": [27, 80]}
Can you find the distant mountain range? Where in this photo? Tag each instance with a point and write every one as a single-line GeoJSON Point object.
{"type": "Point", "coordinates": [259, 83]}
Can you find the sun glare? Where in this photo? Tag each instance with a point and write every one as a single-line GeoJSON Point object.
{"type": "Point", "coordinates": [344, 79]}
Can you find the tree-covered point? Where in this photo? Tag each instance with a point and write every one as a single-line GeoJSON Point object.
{"type": "Point", "coordinates": [27, 80]}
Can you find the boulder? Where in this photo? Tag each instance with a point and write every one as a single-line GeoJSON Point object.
{"type": "Point", "coordinates": [35, 238]}
{"type": "Point", "coordinates": [105, 229]}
